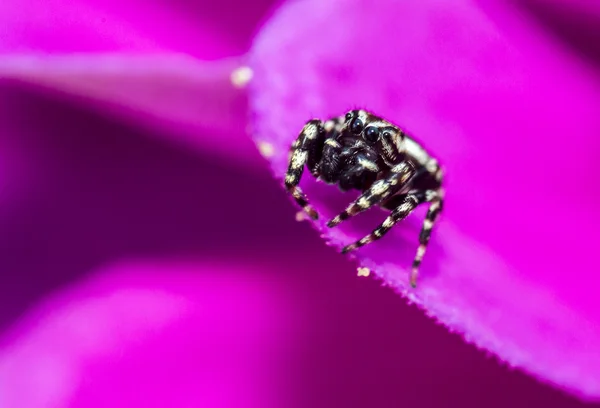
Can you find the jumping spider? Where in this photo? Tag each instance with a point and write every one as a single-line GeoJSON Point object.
{"type": "Point", "coordinates": [362, 151]}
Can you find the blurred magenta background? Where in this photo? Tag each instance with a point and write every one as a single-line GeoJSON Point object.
{"type": "Point", "coordinates": [135, 271]}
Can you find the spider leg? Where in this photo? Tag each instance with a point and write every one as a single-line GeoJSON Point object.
{"type": "Point", "coordinates": [379, 191]}
{"type": "Point", "coordinates": [436, 198]}
{"type": "Point", "coordinates": [306, 142]}
{"type": "Point", "coordinates": [406, 206]}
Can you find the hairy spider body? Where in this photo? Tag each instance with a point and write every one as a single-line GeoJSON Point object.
{"type": "Point", "coordinates": [361, 151]}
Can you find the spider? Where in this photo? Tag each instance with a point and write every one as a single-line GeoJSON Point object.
{"type": "Point", "coordinates": [362, 151]}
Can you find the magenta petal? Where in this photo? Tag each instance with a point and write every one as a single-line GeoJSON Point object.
{"type": "Point", "coordinates": [205, 29]}
{"type": "Point", "coordinates": [152, 334]}
{"type": "Point", "coordinates": [192, 101]}
{"type": "Point", "coordinates": [512, 115]}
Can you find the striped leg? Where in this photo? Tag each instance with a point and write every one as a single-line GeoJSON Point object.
{"type": "Point", "coordinates": [410, 202]}
{"type": "Point", "coordinates": [299, 155]}
{"type": "Point", "coordinates": [437, 201]}
{"type": "Point", "coordinates": [405, 207]}
{"type": "Point", "coordinates": [378, 192]}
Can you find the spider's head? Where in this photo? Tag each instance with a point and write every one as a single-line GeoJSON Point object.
{"type": "Point", "coordinates": [367, 143]}
{"type": "Point", "coordinates": [366, 134]}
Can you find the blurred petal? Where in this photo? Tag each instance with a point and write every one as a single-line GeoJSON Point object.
{"type": "Point", "coordinates": [512, 117]}
{"type": "Point", "coordinates": [204, 29]}
{"type": "Point", "coordinates": [118, 193]}
{"type": "Point", "coordinates": [80, 189]}
{"type": "Point", "coordinates": [574, 24]}
{"type": "Point", "coordinates": [151, 334]}
{"type": "Point", "coordinates": [139, 58]}
{"type": "Point", "coordinates": [194, 101]}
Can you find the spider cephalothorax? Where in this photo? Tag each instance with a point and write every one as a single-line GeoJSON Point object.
{"type": "Point", "coordinates": [365, 152]}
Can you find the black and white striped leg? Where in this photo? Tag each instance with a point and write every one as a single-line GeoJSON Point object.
{"type": "Point", "coordinates": [378, 192]}
{"type": "Point", "coordinates": [299, 156]}
{"type": "Point", "coordinates": [407, 204]}
{"type": "Point", "coordinates": [410, 202]}
{"type": "Point", "coordinates": [436, 198]}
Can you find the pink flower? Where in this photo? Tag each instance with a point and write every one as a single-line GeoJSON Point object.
{"type": "Point", "coordinates": [511, 113]}
{"type": "Point", "coordinates": [150, 260]}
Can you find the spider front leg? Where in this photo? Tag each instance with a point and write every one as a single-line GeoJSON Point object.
{"type": "Point", "coordinates": [310, 137]}
{"type": "Point", "coordinates": [406, 205]}
{"type": "Point", "coordinates": [378, 192]}
{"type": "Point", "coordinates": [408, 202]}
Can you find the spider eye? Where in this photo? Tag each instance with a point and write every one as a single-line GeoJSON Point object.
{"type": "Point", "coordinates": [357, 126]}
{"type": "Point", "coordinates": [349, 115]}
{"type": "Point", "coordinates": [371, 134]}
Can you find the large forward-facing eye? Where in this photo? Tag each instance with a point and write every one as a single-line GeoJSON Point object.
{"type": "Point", "coordinates": [371, 134]}
{"type": "Point", "coordinates": [356, 126]}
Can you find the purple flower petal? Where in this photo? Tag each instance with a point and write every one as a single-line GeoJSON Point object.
{"type": "Point", "coordinates": [512, 113]}
{"type": "Point", "coordinates": [98, 191]}
{"type": "Point", "coordinates": [140, 60]}
{"type": "Point", "coordinates": [151, 334]}
{"type": "Point", "coordinates": [204, 29]}
{"type": "Point", "coordinates": [194, 101]}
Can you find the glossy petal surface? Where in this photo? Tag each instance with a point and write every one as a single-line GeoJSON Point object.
{"type": "Point", "coordinates": [512, 114]}
{"type": "Point", "coordinates": [151, 333]}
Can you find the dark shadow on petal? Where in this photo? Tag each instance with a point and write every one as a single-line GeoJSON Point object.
{"type": "Point", "coordinates": [572, 25]}
{"type": "Point", "coordinates": [98, 190]}
{"type": "Point", "coordinates": [366, 348]}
